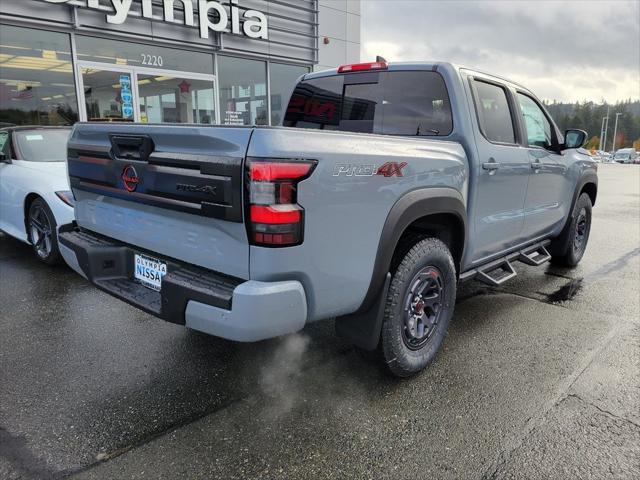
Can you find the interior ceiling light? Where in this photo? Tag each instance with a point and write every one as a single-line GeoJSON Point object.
{"type": "Point", "coordinates": [49, 54]}
{"type": "Point", "coordinates": [15, 83]}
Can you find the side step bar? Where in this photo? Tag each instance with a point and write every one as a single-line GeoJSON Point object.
{"type": "Point", "coordinates": [535, 256]}
{"type": "Point", "coordinates": [501, 270]}
{"type": "Point", "coordinates": [497, 275]}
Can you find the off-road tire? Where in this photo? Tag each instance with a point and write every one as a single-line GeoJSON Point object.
{"type": "Point", "coordinates": [402, 360]}
{"type": "Point", "coordinates": [567, 251]}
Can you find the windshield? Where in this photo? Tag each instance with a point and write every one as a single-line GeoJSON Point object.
{"type": "Point", "coordinates": [622, 155]}
{"type": "Point", "coordinates": [43, 145]}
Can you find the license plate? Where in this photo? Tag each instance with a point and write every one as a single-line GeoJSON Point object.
{"type": "Point", "coordinates": [149, 271]}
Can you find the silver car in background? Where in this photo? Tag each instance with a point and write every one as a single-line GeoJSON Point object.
{"type": "Point", "coordinates": [626, 155]}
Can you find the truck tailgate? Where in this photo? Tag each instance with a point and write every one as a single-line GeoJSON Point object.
{"type": "Point", "coordinates": [172, 190]}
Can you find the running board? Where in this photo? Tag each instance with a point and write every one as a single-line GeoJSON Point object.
{"type": "Point", "coordinates": [535, 256]}
{"type": "Point", "coordinates": [498, 271]}
{"type": "Point", "coordinates": [496, 275]}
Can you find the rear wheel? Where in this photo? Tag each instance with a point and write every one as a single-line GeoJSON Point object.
{"type": "Point", "coordinates": [575, 243]}
{"type": "Point", "coordinates": [419, 307]}
{"type": "Point", "coordinates": [42, 231]}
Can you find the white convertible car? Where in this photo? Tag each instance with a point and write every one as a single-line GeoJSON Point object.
{"type": "Point", "coordinates": [35, 197]}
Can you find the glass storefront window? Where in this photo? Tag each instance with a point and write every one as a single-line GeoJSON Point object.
{"type": "Point", "coordinates": [108, 95]}
{"type": "Point", "coordinates": [36, 78]}
{"type": "Point", "coordinates": [165, 99]}
{"type": "Point", "coordinates": [283, 80]}
{"type": "Point", "coordinates": [243, 91]}
{"type": "Point", "coordinates": [115, 52]}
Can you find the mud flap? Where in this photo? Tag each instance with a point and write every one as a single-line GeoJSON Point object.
{"type": "Point", "coordinates": [363, 329]}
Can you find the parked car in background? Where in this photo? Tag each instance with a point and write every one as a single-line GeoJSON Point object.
{"type": "Point", "coordinates": [625, 155]}
{"type": "Point", "coordinates": [604, 156]}
{"type": "Point", "coordinates": [34, 190]}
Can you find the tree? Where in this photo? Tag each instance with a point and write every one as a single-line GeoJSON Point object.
{"type": "Point", "coordinates": [593, 143]}
{"type": "Point", "coordinates": [588, 116]}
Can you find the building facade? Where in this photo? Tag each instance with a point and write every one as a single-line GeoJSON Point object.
{"type": "Point", "coordinates": [230, 62]}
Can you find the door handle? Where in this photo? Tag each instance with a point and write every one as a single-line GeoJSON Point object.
{"type": "Point", "coordinates": [132, 147]}
{"type": "Point", "coordinates": [491, 165]}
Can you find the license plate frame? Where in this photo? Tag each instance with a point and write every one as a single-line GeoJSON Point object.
{"type": "Point", "coordinates": [149, 271]}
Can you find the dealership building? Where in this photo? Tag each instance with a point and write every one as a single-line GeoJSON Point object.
{"type": "Point", "coordinates": [231, 62]}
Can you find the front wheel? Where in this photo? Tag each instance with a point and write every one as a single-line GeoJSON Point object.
{"type": "Point", "coordinates": [575, 244]}
{"type": "Point", "coordinates": [42, 230]}
{"type": "Point", "coordinates": [419, 307]}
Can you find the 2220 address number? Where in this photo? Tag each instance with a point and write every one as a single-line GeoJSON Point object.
{"type": "Point", "coordinates": [152, 60]}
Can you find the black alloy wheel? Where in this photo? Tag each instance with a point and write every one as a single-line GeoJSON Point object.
{"type": "Point", "coordinates": [42, 232]}
{"type": "Point", "coordinates": [422, 307]}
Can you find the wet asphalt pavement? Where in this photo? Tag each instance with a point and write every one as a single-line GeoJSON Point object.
{"type": "Point", "coordinates": [537, 379]}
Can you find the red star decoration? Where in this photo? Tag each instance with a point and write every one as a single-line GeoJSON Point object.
{"type": "Point", "coordinates": [185, 87]}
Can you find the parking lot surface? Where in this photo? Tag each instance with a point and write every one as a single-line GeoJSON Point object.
{"type": "Point", "coordinates": [539, 378]}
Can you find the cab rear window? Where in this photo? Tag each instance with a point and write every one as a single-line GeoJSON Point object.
{"type": "Point", "coordinates": [409, 103]}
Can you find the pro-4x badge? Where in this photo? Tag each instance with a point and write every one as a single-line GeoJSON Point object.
{"type": "Point", "coordinates": [389, 169]}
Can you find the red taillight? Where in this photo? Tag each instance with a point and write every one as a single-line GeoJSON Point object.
{"type": "Point", "coordinates": [362, 67]}
{"type": "Point", "coordinates": [275, 215]}
{"type": "Point", "coordinates": [275, 219]}
{"type": "Point", "coordinates": [269, 171]}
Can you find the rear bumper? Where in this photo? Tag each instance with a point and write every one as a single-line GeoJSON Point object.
{"type": "Point", "coordinates": [227, 307]}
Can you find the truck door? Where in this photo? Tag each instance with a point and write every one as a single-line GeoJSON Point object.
{"type": "Point", "coordinates": [503, 171]}
{"type": "Point", "coordinates": [549, 192]}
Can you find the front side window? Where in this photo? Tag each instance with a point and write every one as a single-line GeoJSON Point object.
{"type": "Point", "coordinates": [537, 126]}
{"type": "Point", "coordinates": [408, 103]}
{"type": "Point", "coordinates": [36, 82]}
{"type": "Point", "coordinates": [494, 113]}
{"type": "Point", "coordinates": [43, 145]}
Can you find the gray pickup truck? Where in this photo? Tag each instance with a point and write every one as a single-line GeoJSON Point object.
{"type": "Point", "coordinates": [397, 182]}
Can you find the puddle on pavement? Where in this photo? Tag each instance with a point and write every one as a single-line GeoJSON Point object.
{"type": "Point", "coordinates": [567, 291]}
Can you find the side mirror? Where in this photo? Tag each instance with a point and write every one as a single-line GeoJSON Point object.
{"type": "Point", "coordinates": [574, 138]}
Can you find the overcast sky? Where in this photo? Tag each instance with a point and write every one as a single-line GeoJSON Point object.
{"type": "Point", "coordinates": [563, 50]}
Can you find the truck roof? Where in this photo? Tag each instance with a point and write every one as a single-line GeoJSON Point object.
{"type": "Point", "coordinates": [420, 65]}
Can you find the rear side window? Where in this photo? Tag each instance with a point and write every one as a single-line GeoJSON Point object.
{"type": "Point", "coordinates": [416, 103]}
{"type": "Point", "coordinates": [494, 113]}
{"type": "Point", "coordinates": [410, 103]}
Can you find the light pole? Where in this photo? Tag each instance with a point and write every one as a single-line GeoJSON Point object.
{"type": "Point", "coordinates": [615, 131]}
{"type": "Point", "coordinates": [600, 147]}
{"type": "Point", "coordinates": [606, 127]}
